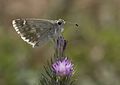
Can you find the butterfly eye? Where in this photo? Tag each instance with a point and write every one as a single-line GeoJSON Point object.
{"type": "Point", "coordinates": [59, 23]}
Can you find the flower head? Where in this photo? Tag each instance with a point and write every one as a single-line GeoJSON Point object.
{"type": "Point", "coordinates": [63, 67]}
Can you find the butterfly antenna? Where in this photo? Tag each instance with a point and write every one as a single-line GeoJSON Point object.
{"type": "Point", "coordinates": [75, 24]}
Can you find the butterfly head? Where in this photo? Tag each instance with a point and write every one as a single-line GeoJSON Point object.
{"type": "Point", "coordinates": [60, 23]}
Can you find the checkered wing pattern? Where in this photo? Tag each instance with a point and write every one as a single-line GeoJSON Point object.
{"type": "Point", "coordinates": [34, 31]}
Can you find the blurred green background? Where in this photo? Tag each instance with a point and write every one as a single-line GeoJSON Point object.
{"type": "Point", "coordinates": [94, 48]}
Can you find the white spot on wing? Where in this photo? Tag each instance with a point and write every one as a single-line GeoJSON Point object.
{"type": "Point", "coordinates": [24, 22]}
{"type": "Point", "coordinates": [27, 40]}
{"type": "Point", "coordinates": [18, 32]}
{"type": "Point", "coordinates": [15, 26]}
{"type": "Point", "coordinates": [13, 22]}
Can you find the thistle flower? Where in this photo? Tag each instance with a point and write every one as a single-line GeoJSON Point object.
{"type": "Point", "coordinates": [59, 71]}
{"type": "Point", "coordinates": [63, 67]}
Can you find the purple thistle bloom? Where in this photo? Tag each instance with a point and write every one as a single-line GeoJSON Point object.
{"type": "Point", "coordinates": [63, 67]}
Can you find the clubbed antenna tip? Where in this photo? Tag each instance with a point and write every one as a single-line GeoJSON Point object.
{"type": "Point", "coordinates": [76, 25]}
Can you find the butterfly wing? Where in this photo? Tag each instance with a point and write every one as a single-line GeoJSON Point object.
{"type": "Point", "coordinates": [34, 31]}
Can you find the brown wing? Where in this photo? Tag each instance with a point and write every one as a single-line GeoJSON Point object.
{"type": "Point", "coordinates": [33, 31]}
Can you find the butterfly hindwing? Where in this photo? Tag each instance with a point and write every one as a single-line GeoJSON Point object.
{"type": "Point", "coordinates": [33, 31]}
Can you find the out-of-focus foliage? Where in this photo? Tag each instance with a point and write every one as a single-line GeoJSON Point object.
{"type": "Point", "coordinates": [94, 47]}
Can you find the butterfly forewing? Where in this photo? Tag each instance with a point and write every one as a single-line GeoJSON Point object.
{"type": "Point", "coordinates": [34, 31]}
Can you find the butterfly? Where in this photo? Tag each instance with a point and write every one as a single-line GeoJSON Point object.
{"type": "Point", "coordinates": [36, 32]}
